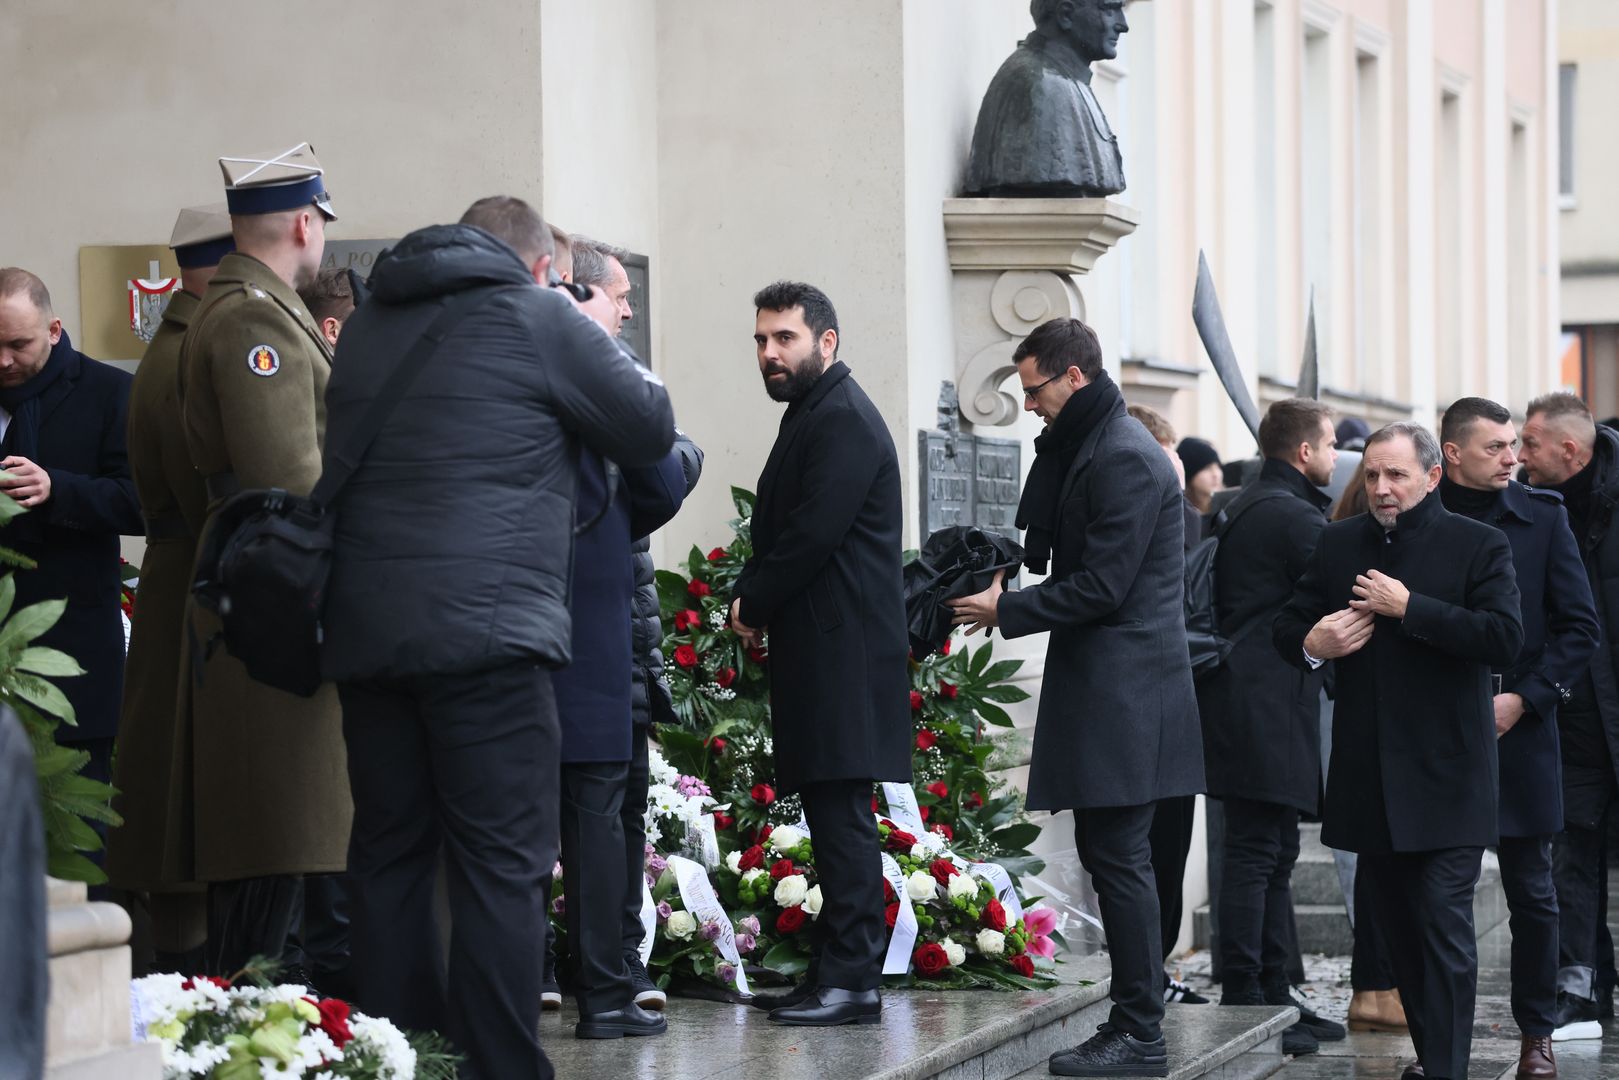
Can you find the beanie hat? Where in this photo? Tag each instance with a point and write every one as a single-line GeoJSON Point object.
{"type": "Point", "coordinates": [1196, 455]}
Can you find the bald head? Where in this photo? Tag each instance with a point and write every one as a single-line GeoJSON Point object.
{"type": "Point", "coordinates": [290, 242]}
{"type": "Point", "coordinates": [28, 326]}
{"type": "Point", "coordinates": [15, 281]}
{"type": "Point", "coordinates": [1559, 437]}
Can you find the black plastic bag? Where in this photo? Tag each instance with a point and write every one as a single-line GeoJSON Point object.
{"type": "Point", "coordinates": [955, 562]}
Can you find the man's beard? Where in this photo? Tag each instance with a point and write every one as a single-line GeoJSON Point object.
{"type": "Point", "coordinates": [797, 382]}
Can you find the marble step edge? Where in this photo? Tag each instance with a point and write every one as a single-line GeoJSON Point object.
{"type": "Point", "coordinates": [1259, 1035]}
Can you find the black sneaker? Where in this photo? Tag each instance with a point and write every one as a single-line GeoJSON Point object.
{"type": "Point", "coordinates": [1111, 1052]}
{"type": "Point", "coordinates": [1178, 993]}
{"type": "Point", "coordinates": [1317, 1025]}
{"type": "Point", "coordinates": [1576, 1018]}
{"type": "Point", "coordinates": [1298, 1041]}
{"type": "Point", "coordinates": [647, 994]}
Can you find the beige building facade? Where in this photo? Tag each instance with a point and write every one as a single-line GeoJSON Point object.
{"type": "Point", "coordinates": [1397, 157]}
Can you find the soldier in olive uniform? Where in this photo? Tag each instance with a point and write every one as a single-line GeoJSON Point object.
{"type": "Point", "coordinates": [154, 736]}
{"type": "Point", "coordinates": [270, 792]}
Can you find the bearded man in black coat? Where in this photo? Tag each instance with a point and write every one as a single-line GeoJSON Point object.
{"type": "Point", "coordinates": [1117, 729]}
{"type": "Point", "coordinates": [825, 581]}
{"type": "Point", "coordinates": [1415, 604]}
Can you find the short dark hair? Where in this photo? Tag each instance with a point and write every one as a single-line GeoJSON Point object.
{"type": "Point", "coordinates": [1422, 440]}
{"type": "Point", "coordinates": [1060, 344]}
{"type": "Point", "coordinates": [329, 296]}
{"type": "Point", "coordinates": [1465, 412]}
{"type": "Point", "coordinates": [14, 280]}
{"type": "Point", "coordinates": [508, 218]}
{"type": "Point", "coordinates": [1289, 422]}
{"type": "Point", "coordinates": [591, 260]}
{"type": "Point", "coordinates": [1554, 405]}
{"type": "Point", "coordinates": [819, 315]}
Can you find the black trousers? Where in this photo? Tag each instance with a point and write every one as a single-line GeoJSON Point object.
{"type": "Point", "coordinates": [593, 883]}
{"type": "Point", "coordinates": [850, 936]}
{"type": "Point", "coordinates": [1171, 840]}
{"type": "Point", "coordinates": [467, 763]}
{"type": "Point", "coordinates": [1256, 890]}
{"type": "Point", "coordinates": [1526, 877]}
{"type": "Point", "coordinates": [1580, 871]}
{"type": "Point", "coordinates": [634, 819]}
{"type": "Point", "coordinates": [1424, 900]}
{"type": "Point", "coordinates": [1113, 845]}
{"type": "Point", "coordinates": [250, 917]}
{"type": "Point", "coordinates": [1370, 967]}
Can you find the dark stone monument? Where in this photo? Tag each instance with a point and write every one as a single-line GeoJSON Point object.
{"type": "Point", "coordinates": [1040, 130]}
{"type": "Point", "coordinates": [967, 479]}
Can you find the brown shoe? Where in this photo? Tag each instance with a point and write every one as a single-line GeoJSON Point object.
{"type": "Point", "coordinates": [1377, 1011]}
{"type": "Point", "coordinates": [1536, 1060]}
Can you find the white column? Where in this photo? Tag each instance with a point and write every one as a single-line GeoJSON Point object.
{"type": "Point", "coordinates": [1418, 198]}
{"type": "Point", "coordinates": [1494, 188]}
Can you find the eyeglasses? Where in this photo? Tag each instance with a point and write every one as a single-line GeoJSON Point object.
{"type": "Point", "coordinates": [1032, 392]}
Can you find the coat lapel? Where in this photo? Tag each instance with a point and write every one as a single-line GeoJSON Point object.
{"type": "Point", "coordinates": [792, 425]}
{"type": "Point", "coordinates": [59, 391]}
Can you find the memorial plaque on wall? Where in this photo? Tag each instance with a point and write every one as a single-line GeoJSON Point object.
{"type": "Point", "coordinates": [638, 331]}
{"type": "Point", "coordinates": [969, 480]}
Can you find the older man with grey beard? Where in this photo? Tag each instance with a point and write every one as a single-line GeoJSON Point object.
{"type": "Point", "coordinates": [1415, 604]}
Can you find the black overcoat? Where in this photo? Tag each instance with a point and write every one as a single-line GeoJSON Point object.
{"type": "Point", "coordinates": [825, 581]}
{"type": "Point", "coordinates": [74, 535]}
{"type": "Point", "coordinates": [1560, 634]}
{"type": "Point", "coordinates": [1262, 715]}
{"type": "Point", "coordinates": [1413, 733]}
{"type": "Point", "coordinates": [1117, 722]}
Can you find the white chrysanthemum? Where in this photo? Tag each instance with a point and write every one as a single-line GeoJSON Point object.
{"type": "Point", "coordinates": [791, 890]}
{"type": "Point", "coordinates": [991, 942]}
{"type": "Point", "coordinates": [388, 1043]}
{"type": "Point", "coordinates": [920, 886]}
{"type": "Point", "coordinates": [785, 838]}
{"type": "Point", "coordinates": [963, 885]}
{"type": "Point", "coordinates": [660, 771]}
{"type": "Point", "coordinates": [954, 952]}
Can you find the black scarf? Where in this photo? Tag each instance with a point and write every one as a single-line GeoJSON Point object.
{"type": "Point", "coordinates": [1054, 453]}
{"type": "Point", "coordinates": [1466, 501]}
{"type": "Point", "coordinates": [22, 402]}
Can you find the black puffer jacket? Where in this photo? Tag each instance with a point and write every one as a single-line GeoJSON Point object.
{"type": "Point", "coordinates": [649, 696]}
{"type": "Point", "coordinates": [455, 535]}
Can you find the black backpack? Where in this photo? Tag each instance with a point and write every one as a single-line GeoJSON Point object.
{"type": "Point", "coordinates": [265, 555]}
{"type": "Point", "coordinates": [1208, 647]}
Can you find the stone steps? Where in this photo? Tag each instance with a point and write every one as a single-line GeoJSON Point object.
{"type": "Point", "coordinates": [964, 1035]}
{"type": "Point", "coordinates": [1216, 1041]}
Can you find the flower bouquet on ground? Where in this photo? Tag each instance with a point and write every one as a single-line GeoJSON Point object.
{"type": "Point", "coordinates": [215, 1028]}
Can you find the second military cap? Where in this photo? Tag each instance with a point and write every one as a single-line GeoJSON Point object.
{"type": "Point", "coordinates": [202, 236]}
{"type": "Point", "coordinates": [268, 185]}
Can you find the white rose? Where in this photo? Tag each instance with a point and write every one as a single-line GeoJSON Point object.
{"type": "Point", "coordinates": [733, 862]}
{"type": "Point", "coordinates": [791, 890]}
{"type": "Point", "coordinates": [963, 885]}
{"type": "Point", "coordinates": [953, 952]}
{"type": "Point", "coordinates": [920, 852]}
{"type": "Point", "coordinates": [753, 875]}
{"type": "Point", "coordinates": [784, 838]}
{"type": "Point", "coordinates": [920, 886]}
{"type": "Point", "coordinates": [991, 942]}
{"type": "Point", "coordinates": [682, 924]}
{"type": "Point", "coordinates": [812, 902]}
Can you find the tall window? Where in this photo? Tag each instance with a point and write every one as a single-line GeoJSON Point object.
{"type": "Point", "coordinates": [1369, 257]}
{"type": "Point", "coordinates": [1265, 184]}
{"type": "Point", "coordinates": [1520, 345]}
{"type": "Point", "coordinates": [1316, 226]}
{"type": "Point", "coordinates": [1566, 78]}
{"type": "Point", "coordinates": [1453, 373]}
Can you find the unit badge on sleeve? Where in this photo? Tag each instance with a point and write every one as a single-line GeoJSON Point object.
{"type": "Point", "coordinates": [263, 360]}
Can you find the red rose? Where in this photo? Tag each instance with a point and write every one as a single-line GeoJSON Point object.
{"type": "Point", "coordinates": [995, 915]}
{"type": "Point", "coordinates": [891, 914]}
{"type": "Point", "coordinates": [874, 804]}
{"type": "Point", "coordinates": [723, 821]}
{"type": "Point", "coordinates": [930, 959]}
{"type": "Point", "coordinates": [699, 588]}
{"type": "Point", "coordinates": [947, 691]}
{"type": "Point", "coordinates": [716, 555]}
{"type": "Point", "coordinates": [1022, 965]}
{"type": "Point", "coordinates": [758, 655]}
{"type": "Point", "coordinates": [334, 1020]}
{"type": "Point", "coordinates": [943, 870]}
{"type": "Point", "coordinates": [916, 701]}
{"type": "Point", "coordinates": [939, 788]}
{"type": "Point", "coordinates": [724, 677]}
{"type": "Point", "coordinates": [685, 620]}
{"type": "Point", "coordinates": [945, 831]}
{"type": "Point", "coordinates": [686, 656]}
{"type": "Point", "coordinates": [900, 840]}
{"type": "Point", "coordinates": [922, 812]}
{"type": "Point", "coordinates": [752, 859]}
{"type": "Point", "coordinates": [975, 801]}
{"type": "Point", "coordinates": [888, 892]}
{"type": "Point", "coordinates": [780, 869]}
{"type": "Point", "coordinates": [763, 794]}
{"type": "Point", "coordinates": [764, 833]}
{"type": "Point", "coordinates": [718, 745]}
{"type": "Point", "coordinates": [945, 648]}
{"type": "Point", "coordinates": [924, 738]}
{"type": "Point", "coordinates": [791, 920]}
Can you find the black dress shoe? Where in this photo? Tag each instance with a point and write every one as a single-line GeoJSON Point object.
{"type": "Point", "coordinates": [1297, 1041]}
{"type": "Point", "coordinates": [1111, 1052]}
{"type": "Point", "coordinates": [828, 1006]}
{"type": "Point", "coordinates": [772, 1002]}
{"type": "Point", "coordinates": [1413, 1071]}
{"type": "Point", "coordinates": [630, 1020]}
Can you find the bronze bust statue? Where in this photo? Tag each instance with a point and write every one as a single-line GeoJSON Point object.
{"type": "Point", "coordinates": [1040, 130]}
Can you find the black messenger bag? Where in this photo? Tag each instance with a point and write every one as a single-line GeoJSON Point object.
{"type": "Point", "coordinates": [265, 555]}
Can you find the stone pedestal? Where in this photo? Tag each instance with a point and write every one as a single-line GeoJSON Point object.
{"type": "Point", "coordinates": [1014, 263]}
{"type": "Point", "coordinates": [87, 1029]}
